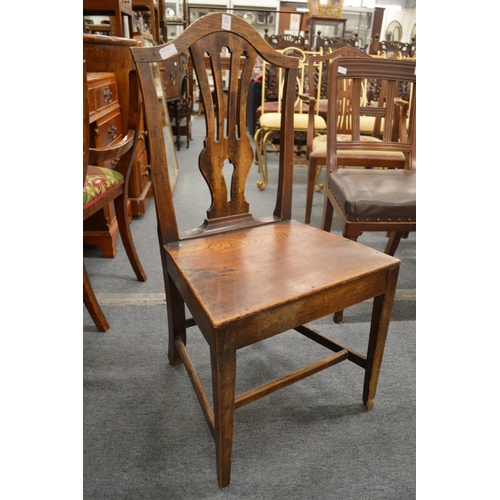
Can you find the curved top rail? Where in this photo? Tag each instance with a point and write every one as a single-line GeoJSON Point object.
{"type": "Point", "coordinates": [206, 25]}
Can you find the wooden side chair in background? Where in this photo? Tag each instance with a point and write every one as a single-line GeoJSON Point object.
{"type": "Point", "coordinates": [109, 184]}
{"type": "Point", "coordinates": [370, 121]}
{"type": "Point", "coordinates": [373, 199]}
{"type": "Point", "coordinates": [246, 279]}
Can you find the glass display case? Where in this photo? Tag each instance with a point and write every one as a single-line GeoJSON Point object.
{"type": "Point", "coordinates": [359, 22]}
{"type": "Point", "coordinates": [327, 27]}
{"type": "Point", "coordinates": [173, 20]}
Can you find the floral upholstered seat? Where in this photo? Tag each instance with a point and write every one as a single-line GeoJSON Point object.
{"type": "Point", "coordinates": [98, 181]}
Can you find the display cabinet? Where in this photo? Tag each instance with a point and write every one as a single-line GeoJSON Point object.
{"type": "Point", "coordinates": [119, 12]}
{"type": "Point", "coordinates": [151, 14]}
{"type": "Point", "coordinates": [326, 26]}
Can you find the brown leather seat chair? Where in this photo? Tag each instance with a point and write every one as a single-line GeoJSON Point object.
{"type": "Point", "coordinates": [370, 122]}
{"type": "Point", "coordinates": [381, 199]}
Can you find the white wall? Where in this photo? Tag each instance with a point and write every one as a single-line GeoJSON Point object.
{"type": "Point", "coordinates": [407, 16]}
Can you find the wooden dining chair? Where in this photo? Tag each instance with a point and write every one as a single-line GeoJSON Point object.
{"type": "Point", "coordinates": [370, 123]}
{"type": "Point", "coordinates": [106, 170]}
{"type": "Point", "coordinates": [242, 279]}
{"type": "Point", "coordinates": [381, 199]}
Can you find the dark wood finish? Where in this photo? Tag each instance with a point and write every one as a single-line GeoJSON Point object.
{"type": "Point", "coordinates": [286, 40]}
{"type": "Point", "coordinates": [245, 279]}
{"type": "Point", "coordinates": [375, 199]}
{"type": "Point", "coordinates": [316, 146]}
{"type": "Point", "coordinates": [331, 43]}
{"type": "Point", "coordinates": [117, 154]}
{"type": "Point", "coordinates": [105, 119]}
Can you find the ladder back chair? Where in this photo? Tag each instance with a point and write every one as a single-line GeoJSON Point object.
{"type": "Point", "coordinates": [241, 279]}
{"type": "Point", "coordinates": [103, 185]}
{"type": "Point", "coordinates": [373, 199]}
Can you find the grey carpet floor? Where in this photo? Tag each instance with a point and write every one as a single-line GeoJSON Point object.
{"type": "Point", "coordinates": [145, 436]}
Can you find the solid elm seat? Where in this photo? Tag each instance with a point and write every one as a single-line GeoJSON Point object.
{"type": "Point", "coordinates": [242, 279]}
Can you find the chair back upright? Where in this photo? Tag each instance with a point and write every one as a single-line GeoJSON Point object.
{"type": "Point", "coordinates": [397, 117]}
{"type": "Point", "coordinates": [214, 36]}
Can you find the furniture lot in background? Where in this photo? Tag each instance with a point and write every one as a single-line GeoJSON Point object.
{"type": "Point", "coordinates": [108, 183]}
{"type": "Point", "coordinates": [372, 199]}
{"type": "Point", "coordinates": [245, 279]}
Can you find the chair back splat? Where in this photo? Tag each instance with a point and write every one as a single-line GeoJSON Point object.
{"type": "Point", "coordinates": [245, 279]}
{"type": "Point", "coordinates": [226, 137]}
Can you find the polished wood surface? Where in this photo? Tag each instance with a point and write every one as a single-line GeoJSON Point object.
{"type": "Point", "coordinates": [242, 278]}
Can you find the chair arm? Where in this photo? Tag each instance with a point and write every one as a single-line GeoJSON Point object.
{"type": "Point", "coordinates": [113, 151]}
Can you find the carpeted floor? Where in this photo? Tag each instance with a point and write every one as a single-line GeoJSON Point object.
{"type": "Point", "coordinates": [145, 435]}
